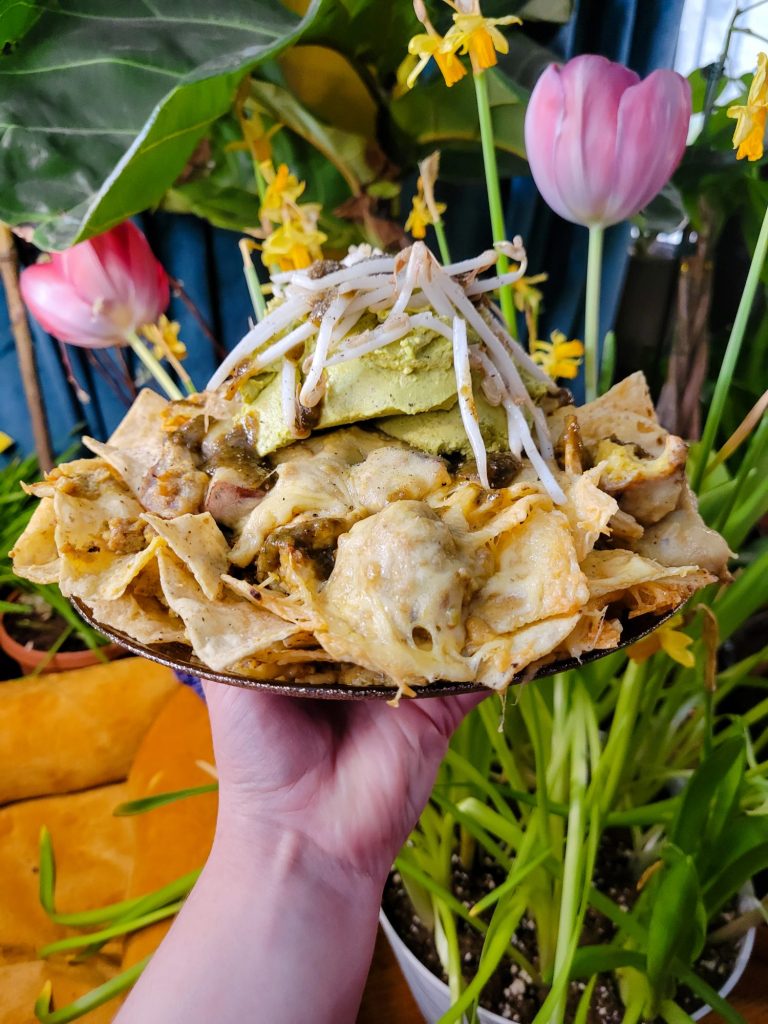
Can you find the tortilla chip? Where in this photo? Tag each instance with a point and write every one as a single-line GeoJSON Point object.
{"type": "Point", "coordinates": [589, 510]}
{"type": "Point", "coordinates": [499, 660]}
{"type": "Point", "coordinates": [537, 576]}
{"type": "Point", "coordinates": [199, 543]}
{"type": "Point", "coordinates": [85, 503]}
{"type": "Point", "coordinates": [129, 467]}
{"type": "Point", "coordinates": [223, 631]}
{"type": "Point", "coordinates": [101, 575]}
{"type": "Point", "coordinates": [35, 556]}
{"type": "Point", "coordinates": [592, 632]}
{"type": "Point", "coordinates": [610, 572]}
{"type": "Point", "coordinates": [142, 426]}
{"type": "Point", "coordinates": [145, 620]}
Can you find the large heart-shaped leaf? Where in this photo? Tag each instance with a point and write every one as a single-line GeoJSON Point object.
{"type": "Point", "coordinates": [101, 104]}
{"type": "Point", "coordinates": [432, 116]}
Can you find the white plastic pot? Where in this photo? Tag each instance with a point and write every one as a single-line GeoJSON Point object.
{"type": "Point", "coordinates": [433, 998]}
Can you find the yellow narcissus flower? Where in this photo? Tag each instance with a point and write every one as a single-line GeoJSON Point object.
{"type": "Point", "coordinates": [421, 216]}
{"type": "Point", "coordinates": [297, 242]}
{"type": "Point", "coordinates": [164, 338]}
{"type": "Point", "coordinates": [431, 44]}
{"type": "Point", "coordinates": [426, 46]}
{"type": "Point", "coordinates": [5, 441]}
{"type": "Point", "coordinates": [283, 189]}
{"type": "Point", "coordinates": [667, 638]}
{"type": "Point", "coordinates": [749, 136]}
{"type": "Point", "coordinates": [558, 357]}
{"type": "Point", "coordinates": [478, 36]}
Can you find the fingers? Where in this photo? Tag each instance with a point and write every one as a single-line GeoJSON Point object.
{"type": "Point", "coordinates": [447, 713]}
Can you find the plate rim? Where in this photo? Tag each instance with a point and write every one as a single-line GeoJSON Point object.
{"type": "Point", "coordinates": [160, 654]}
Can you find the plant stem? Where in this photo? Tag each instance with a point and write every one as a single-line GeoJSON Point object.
{"type": "Point", "coordinates": [251, 279]}
{"type": "Point", "coordinates": [731, 356]}
{"type": "Point", "coordinates": [498, 227]}
{"type": "Point", "coordinates": [25, 351]}
{"type": "Point", "coordinates": [159, 373]}
{"type": "Point", "coordinates": [442, 241]}
{"type": "Point", "coordinates": [96, 997]}
{"type": "Point", "coordinates": [573, 865]}
{"type": "Point", "coordinates": [592, 312]}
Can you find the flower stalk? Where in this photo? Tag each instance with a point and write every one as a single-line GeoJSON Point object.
{"type": "Point", "coordinates": [153, 365]}
{"type": "Point", "coordinates": [592, 312]}
{"type": "Point", "coordinates": [498, 227]}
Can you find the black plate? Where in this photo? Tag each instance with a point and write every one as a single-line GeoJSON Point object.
{"type": "Point", "coordinates": [180, 658]}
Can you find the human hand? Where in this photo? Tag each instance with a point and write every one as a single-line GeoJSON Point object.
{"type": "Point", "coordinates": [350, 777]}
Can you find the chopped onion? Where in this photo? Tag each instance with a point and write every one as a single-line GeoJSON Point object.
{"type": "Point", "coordinates": [272, 323]}
{"type": "Point", "coordinates": [311, 393]}
{"type": "Point", "coordinates": [467, 405]}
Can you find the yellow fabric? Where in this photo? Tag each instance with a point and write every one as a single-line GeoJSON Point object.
{"type": "Point", "coordinates": [94, 854]}
{"type": "Point", "coordinates": [173, 840]}
{"type": "Point", "coordinates": [21, 984]}
{"type": "Point", "coordinates": [72, 730]}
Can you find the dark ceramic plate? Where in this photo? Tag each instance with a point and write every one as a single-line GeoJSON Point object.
{"type": "Point", "coordinates": [180, 658]}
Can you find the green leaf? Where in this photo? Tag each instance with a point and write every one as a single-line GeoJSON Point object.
{"type": "Point", "coordinates": [432, 116]}
{"type": "Point", "coordinates": [709, 799]}
{"type": "Point", "coordinates": [745, 853]}
{"type": "Point", "coordinates": [747, 594]}
{"type": "Point", "coordinates": [346, 151]}
{"type": "Point", "coordinates": [678, 923]}
{"type": "Point", "coordinates": [106, 102]}
{"type": "Point", "coordinates": [149, 803]}
{"type": "Point", "coordinates": [96, 997]}
{"type": "Point", "coordinates": [123, 927]}
{"type": "Point", "coordinates": [47, 878]}
{"type": "Point", "coordinates": [16, 18]}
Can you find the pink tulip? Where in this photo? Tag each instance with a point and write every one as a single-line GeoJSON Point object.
{"type": "Point", "coordinates": [600, 142]}
{"type": "Point", "coordinates": [98, 292]}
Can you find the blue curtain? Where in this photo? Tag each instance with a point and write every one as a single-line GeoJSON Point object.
{"type": "Point", "coordinates": [206, 261]}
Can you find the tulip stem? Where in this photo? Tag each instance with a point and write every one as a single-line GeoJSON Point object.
{"type": "Point", "coordinates": [592, 312]}
{"type": "Point", "coordinates": [160, 374]}
{"type": "Point", "coordinates": [442, 242]}
{"type": "Point", "coordinates": [731, 356]}
{"type": "Point", "coordinates": [498, 227]}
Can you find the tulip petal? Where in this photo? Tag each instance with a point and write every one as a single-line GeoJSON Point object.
{"type": "Point", "coordinates": [585, 165]}
{"type": "Point", "coordinates": [59, 309]}
{"type": "Point", "coordinates": [543, 120]}
{"type": "Point", "coordinates": [150, 281]}
{"type": "Point", "coordinates": [650, 141]}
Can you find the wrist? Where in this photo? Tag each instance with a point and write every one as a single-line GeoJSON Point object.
{"type": "Point", "coordinates": [287, 860]}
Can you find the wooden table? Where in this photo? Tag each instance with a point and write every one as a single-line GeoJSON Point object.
{"type": "Point", "coordinates": [387, 998]}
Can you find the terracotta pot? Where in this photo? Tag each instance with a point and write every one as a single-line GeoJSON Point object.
{"type": "Point", "coordinates": [433, 998]}
{"type": "Point", "coordinates": [29, 658]}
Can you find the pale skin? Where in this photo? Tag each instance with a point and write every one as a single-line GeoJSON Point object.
{"type": "Point", "coordinates": [316, 798]}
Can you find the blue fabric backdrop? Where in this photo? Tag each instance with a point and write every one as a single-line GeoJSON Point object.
{"type": "Point", "coordinates": [641, 33]}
